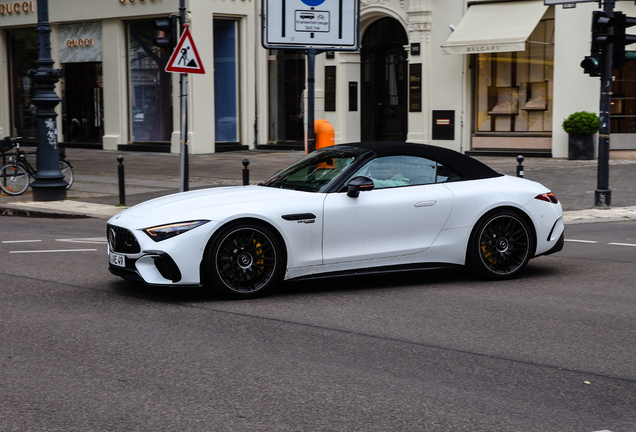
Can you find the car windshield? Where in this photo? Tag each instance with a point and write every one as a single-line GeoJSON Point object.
{"type": "Point", "coordinates": [316, 170]}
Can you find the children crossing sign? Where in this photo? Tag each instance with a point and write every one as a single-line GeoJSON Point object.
{"type": "Point", "coordinates": [185, 57]}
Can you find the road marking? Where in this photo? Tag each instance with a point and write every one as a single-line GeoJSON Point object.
{"type": "Point", "coordinates": [21, 241]}
{"type": "Point", "coordinates": [91, 240]}
{"type": "Point", "coordinates": [58, 250]}
{"type": "Point", "coordinates": [622, 244]}
{"type": "Point", "coordinates": [580, 241]}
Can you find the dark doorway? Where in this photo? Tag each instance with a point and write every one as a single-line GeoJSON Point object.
{"type": "Point", "coordinates": [286, 99]}
{"type": "Point", "coordinates": [83, 107]}
{"type": "Point", "coordinates": [23, 53]}
{"type": "Point", "coordinates": [384, 82]}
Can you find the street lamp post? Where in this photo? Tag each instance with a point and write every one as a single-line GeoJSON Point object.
{"type": "Point", "coordinates": [49, 182]}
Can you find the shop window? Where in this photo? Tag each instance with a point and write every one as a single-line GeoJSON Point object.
{"type": "Point", "coordinates": [286, 97]}
{"type": "Point", "coordinates": [513, 90]}
{"type": "Point", "coordinates": [82, 107]}
{"type": "Point", "coordinates": [23, 53]}
{"type": "Point", "coordinates": [150, 85]}
{"type": "Point", "coordinates": [623, 103]}
{"type": "Point", "coordinates": [225, 81]}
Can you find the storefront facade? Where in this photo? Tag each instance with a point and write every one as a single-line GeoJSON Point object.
{"type": "Point", "coordinates": [501, 82]}
{"type": "Point", "coordinates": [486, 77]}
{"type": "Point", "coordinates": [114, 89]}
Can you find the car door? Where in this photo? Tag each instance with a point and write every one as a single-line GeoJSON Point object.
{"type": "Point", "coordinates": [402, 215]}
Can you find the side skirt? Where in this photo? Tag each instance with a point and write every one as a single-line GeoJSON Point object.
{"type": "Point", "coordinates": [378, 270]}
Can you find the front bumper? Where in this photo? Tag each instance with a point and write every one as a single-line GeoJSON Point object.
{"type": "Point", "coordinates": [133, 256]}
{"type": "Point", "coordinates": [153, 267]}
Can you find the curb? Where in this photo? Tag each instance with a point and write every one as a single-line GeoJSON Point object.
{"type": "Point", "coordinates": [67, 207]}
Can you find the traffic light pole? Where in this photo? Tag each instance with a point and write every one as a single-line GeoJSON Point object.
{"type": "Point", "coordinates": [603, 194]}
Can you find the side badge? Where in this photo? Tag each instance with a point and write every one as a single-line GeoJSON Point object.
{"type": "Point", "coordinates": [306, 218]}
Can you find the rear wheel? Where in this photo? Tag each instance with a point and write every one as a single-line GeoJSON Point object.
{"type": "Point", "coordinates": [66, 169]}
{"type": "Point", "coordinates": [501, 245]}
{"type": "Point", "coordinates": [244, 261]}
{"type": "Point", "coordinates": [14, 179]}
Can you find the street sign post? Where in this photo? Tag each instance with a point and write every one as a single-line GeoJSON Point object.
{"type": "Point", "coordinates": [184, 60]}
{"type": "Point", "coordinates": [314, 26]}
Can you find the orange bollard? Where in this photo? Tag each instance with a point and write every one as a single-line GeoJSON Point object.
{"type": "Point", "coordinates": [325, 135]}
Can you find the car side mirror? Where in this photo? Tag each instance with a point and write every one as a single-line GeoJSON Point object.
{"type": "Point", "coordinates": [359, 184]}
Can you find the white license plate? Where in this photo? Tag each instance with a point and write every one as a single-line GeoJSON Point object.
{"type": "Point", "coordinates": [117, 260]}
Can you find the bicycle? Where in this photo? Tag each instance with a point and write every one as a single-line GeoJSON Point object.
{"type": "Point", "coordinates": [15, 176]}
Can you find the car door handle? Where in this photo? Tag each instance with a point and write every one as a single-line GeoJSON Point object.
{"type": "Point", "coordinates": [425, 203]}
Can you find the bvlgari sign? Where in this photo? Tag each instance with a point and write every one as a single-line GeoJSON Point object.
{"type": "Point", "coordinates": [80, 43]}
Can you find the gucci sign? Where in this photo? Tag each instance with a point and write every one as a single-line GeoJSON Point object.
{"type": "Point", "coordinates": [18, 8]}
{"type": "Point", "coordinates": [80, 42]}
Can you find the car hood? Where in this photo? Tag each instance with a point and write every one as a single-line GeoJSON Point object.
{"type": "Point", "coordinates": [203, 202]}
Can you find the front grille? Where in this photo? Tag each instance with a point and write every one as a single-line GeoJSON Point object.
{"type": "Point", "coordinates": [122, 240]}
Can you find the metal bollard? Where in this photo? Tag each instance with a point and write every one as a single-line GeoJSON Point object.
{"type": "Point", "coordinates": [520, 167]}
{"type": "Point", "coordinates": [246, 172]}
{"type": "Point", "coordinates": [122, 186]}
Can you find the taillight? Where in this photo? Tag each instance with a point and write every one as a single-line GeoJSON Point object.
{"type": "Point", "coordinates": [549, 197]}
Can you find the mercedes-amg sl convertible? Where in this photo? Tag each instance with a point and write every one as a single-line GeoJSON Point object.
{"type": "Point", "coordinates": [353, 208]}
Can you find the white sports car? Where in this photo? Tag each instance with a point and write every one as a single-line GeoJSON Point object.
{"type": "Point", "coordinates": [355, 208]}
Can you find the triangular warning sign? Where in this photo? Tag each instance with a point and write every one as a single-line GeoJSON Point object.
{"type": "Point", "coordinates": [185, 57]}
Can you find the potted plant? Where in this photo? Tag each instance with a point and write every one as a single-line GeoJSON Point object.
{"type": "Point", "coordinates": [581, 127]}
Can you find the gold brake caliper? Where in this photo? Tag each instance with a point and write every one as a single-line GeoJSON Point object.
{"type": "Point", "coordinates": [486, 254]}
{"type": "Point", "coordinates": [259, 252]}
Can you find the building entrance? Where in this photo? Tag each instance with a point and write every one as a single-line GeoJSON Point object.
{"type": "Point", "coordinates": [82, 106]}
{"type": "Point", "coordinates": [384, 110]}
{"type": "Point", "coordinates": [286, 99]}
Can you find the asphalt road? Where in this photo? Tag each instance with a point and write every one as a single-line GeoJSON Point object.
{"type": "Point", "coordinates": [81, 350]}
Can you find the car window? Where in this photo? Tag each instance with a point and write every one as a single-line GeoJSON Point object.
{"type": "Point", "coordinates": [396, 171]}
{"type": "Point", "coordinates": [315, 171]}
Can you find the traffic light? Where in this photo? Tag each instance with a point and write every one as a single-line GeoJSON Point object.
{"type": "Point", "coordinates": [621, 39]}
{"type": "Point", "coordinates": [592, 65]}
{"type": "Point", "coordinates": [601, 33]}
{"type": "Point", "coordinates": [169, 28]}
{"type": "Point", "coordinates": [601, 36]}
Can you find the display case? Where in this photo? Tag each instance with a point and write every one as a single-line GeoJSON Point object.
{"type": "Point", "coordinates": [503, 100]}
{"type": "Point", "coordinates": [534, 96]}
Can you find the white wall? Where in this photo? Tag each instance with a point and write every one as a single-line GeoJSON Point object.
{"type": "Point", "coordinates": [449, 77]}
{"type": "Point", "coordinates": [573, 89]}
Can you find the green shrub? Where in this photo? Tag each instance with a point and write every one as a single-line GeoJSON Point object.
{"type": "Point", "coordinates": [581, 122]}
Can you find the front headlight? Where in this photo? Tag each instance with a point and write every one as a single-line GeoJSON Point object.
{"type": "Point", "coordinates": [164, 232]}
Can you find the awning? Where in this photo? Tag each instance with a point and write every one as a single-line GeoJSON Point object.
{"type": "Point", "coordinates": [495, 27]}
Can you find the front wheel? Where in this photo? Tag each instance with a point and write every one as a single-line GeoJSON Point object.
{"type": "Point", "coordinates": [243, 261]}
{"type": "Point", "coordinates": [501, 245]}
{"type": "Point", "coordinates": [14, 179]}
{"type": "Point", "coordinates": [66, 169]}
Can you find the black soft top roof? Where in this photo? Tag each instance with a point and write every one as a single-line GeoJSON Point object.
{"type": "Point", "coordinates": [467, 167]}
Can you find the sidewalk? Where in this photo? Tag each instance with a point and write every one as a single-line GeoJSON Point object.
{"type": "Point", "coordinates": [95, 191]}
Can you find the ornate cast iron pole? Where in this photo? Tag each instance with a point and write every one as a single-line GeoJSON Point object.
{"type": "Point", "coordinates": [49, 182]}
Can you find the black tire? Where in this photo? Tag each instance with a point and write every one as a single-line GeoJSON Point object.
{"type": "Point", "coordinates": [501, 245]}
{"type": "Point", "coordinates": [66, 169]}
{"type": "Point", "coordinates": [14, 179]}
{"type": "Point", "coordinates": [243, 260]}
